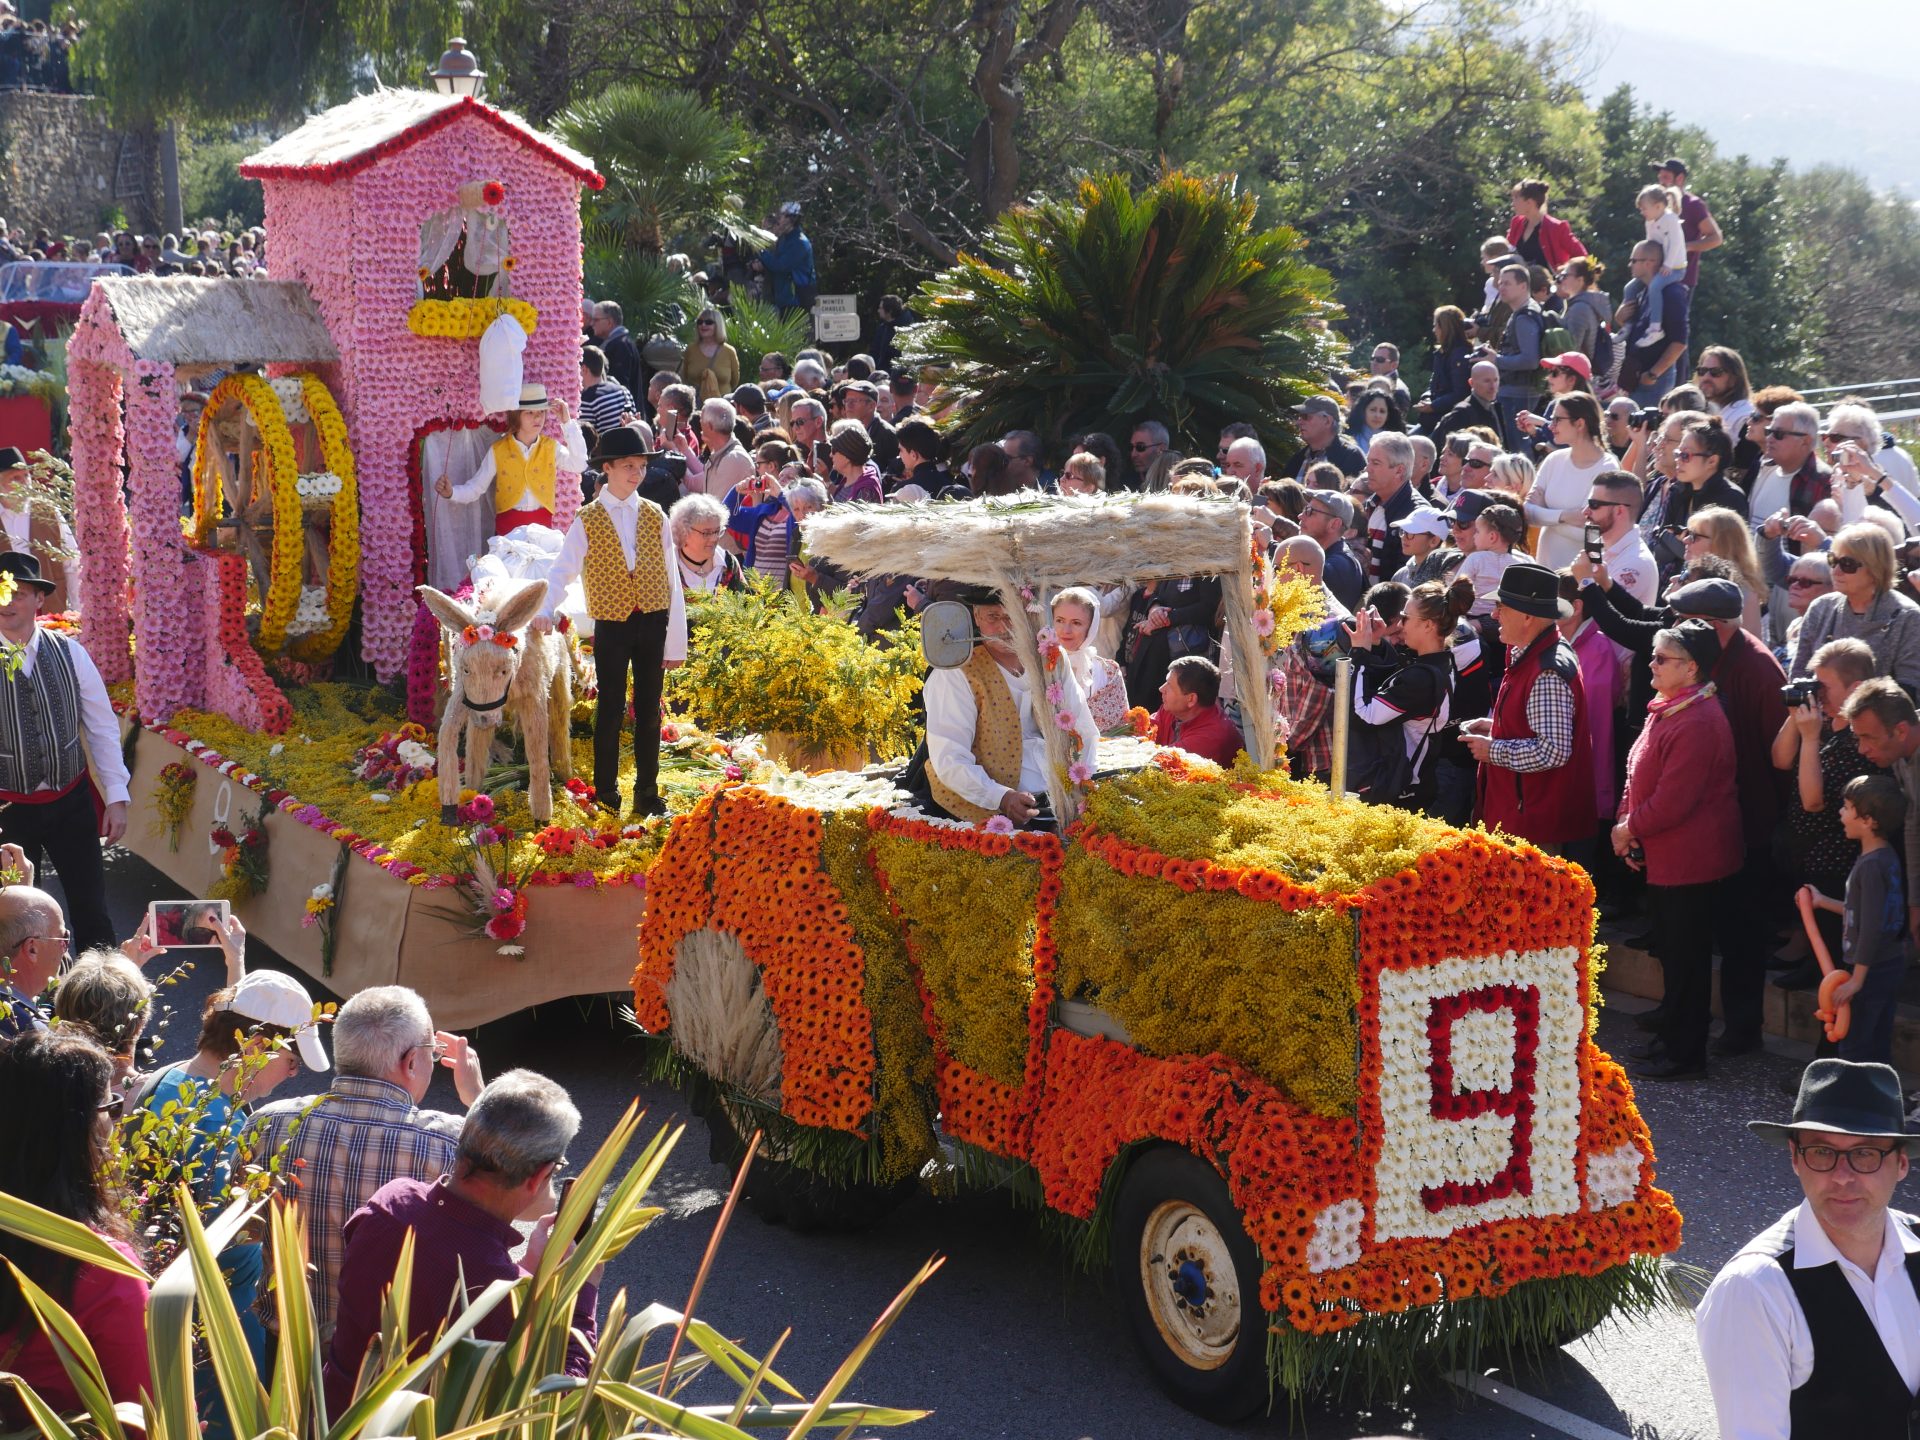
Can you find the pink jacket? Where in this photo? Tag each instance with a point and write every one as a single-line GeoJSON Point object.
{"type": "Point", "coordinates": [1680, 802]}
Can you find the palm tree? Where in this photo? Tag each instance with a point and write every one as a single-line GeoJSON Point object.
{"type": "Point", "coordinates": [671, 163]}
{"type": "Point", "coordinates": [1111, 308]}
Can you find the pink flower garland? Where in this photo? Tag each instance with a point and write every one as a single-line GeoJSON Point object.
{"type": "Point", "coordinates": [99, 520]}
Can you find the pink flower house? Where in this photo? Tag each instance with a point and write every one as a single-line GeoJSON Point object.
{"type": "Point", "coordinates": [354, 198]}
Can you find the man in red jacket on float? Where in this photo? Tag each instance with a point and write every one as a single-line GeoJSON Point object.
{"type": "Point", "coordinates": [1189, 714]}
{"type": "Point", "coordinates": [1536, 757]}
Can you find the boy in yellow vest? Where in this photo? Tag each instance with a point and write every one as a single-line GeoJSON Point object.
{"type": "Point", "coordinates": [521, 471]}
{"type": "Point", "coordinates": [621, 549]}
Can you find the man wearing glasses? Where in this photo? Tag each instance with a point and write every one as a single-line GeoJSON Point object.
{"type": "Point", "coordinates": [1722, 378]}
{"type": "Point", "coordinates": [1613, 505]}
{"type": "Point", "coordinates": [1814, 1327]}
{"type": "Point", "coordinates": [1385, 365]}
{"type": "Point", "coordinates": [1794, 478]}
{"type": "Point", "coordinates": [1149, 443]}
{"type": "Point", "coordinates": [368, 1129]}
{"type": "Point", "coordinates": [33, 946]}
{"type": "Point", "coordinates": [1319, 424]}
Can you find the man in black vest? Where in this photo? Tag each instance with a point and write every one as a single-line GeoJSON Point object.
{"type": "Point", "coordinates": [56, 724]}
{"type": "Point", "coordinates": [1814, 1328]}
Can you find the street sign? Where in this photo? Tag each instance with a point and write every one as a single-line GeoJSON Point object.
{"type": "Point", "coordinates": [833, 305]}
{"type": "Point", "coordinates": [832, 325]}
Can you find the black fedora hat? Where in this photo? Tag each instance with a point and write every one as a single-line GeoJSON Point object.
{"type": "Point", "coordinates": [11, 458]}
{"type": "Point", "coordinates": [25, 570]}
{"type": "Point", "coordinates": [1533, 590]}
{"type": "Point", "coordinates": [1845, 1097]}
{"type": "Point", "coordinates": [622, 442]}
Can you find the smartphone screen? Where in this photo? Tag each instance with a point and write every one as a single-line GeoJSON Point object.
{"type": "Point", "coordinates": [1596, 548]}
{"type": "Point", "coordinates": [187, 924]}
{"type": "Point", "coordinates": [593, 1213]}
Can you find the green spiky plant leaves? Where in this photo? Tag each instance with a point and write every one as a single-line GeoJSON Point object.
{"type": "Point", "coordinates": [1113, 307]}
{"type": "Point", "coordinates": [457, 1385]}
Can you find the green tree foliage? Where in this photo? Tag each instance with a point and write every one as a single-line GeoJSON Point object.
{"type": "Point", "coordinates": [1099, 310]}
{"type": "Point", "coordinates": [211, 186]}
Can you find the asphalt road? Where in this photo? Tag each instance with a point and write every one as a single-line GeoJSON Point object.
{"type": "Point", "coordinates": [1008, 1339]}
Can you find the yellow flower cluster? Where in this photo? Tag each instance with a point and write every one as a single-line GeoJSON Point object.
{"type": "Point", "coordinates": [903, 1072]}
{"type": "Point", "coordinates": [1173, 968]}
{"type": "Point", "coordinates": [762, 661]}
{"type": "Point", "coordinates": [315, 767]}
{"type": "Point", "coordinates": [467, 319]}
{"type": "Point", "coordinates": [343, 540]}
{"type": "Point", "coordinates": [1268, 822]}
{"type": "Point", "coordinates": [969, 918]}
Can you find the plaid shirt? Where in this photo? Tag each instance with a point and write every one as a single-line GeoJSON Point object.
{"type": "Point", "coordinates": [1307, 706]}
{"type": "Point", "coordinates": [1550, 713]}
{"type": "Point", "coordinates": [340, 1149]}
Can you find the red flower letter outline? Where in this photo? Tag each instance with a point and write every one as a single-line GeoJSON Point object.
{"type": "Point", "coordinates": [1516, 1101]}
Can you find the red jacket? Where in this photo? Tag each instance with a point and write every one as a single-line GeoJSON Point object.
{"type": "Point", "coordinates": [1557, 240]}
{"type": "Point", "coordinates": [1548, 807]}
{"type": "Point", "coordinates": [1680, 802]}
{"type": "Point", "coordinates": [1206, 732]}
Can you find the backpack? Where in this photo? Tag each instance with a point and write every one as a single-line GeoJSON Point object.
{"type": "Point", "coordinates": [1555, 338]}
{"type": "Point", "coordinates": [1603, 355]}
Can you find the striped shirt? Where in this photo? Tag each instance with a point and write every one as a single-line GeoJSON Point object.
{"type": "Point", "coordinates": [770, 547]}
{"type": "Point", "coordinates": [357, 1137]}
{"type": "Point", "coordinates": [602, 405]}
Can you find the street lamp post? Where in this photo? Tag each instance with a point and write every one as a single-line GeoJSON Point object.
{"type": "Point", "coordinates": [458, 72]}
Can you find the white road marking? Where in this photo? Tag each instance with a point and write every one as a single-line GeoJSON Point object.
{"type": "Point", "coordinates": [1522, 1403]}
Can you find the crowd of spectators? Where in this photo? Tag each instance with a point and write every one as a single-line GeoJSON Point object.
{"type": "Point", "coordinates": [206, 251]}
{"type": "Point", "coordinates": [1586, 550]}
{"type": "Point", "coordinates": [36, 54]}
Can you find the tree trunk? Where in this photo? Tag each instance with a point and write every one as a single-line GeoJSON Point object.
{"type": "Point", "coordinates": [173, 217]}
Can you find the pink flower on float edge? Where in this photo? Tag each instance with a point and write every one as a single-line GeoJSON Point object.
{"type": "Point", "coordinates": [732, 772]}
{"type": "Point", "coordinates": [1079, 772]}
{"type": "Point", "coordinates": [583, 880]}
{"type": "Point", "coordinates": [502, 899]}
{"type": "Point", "coordinates": [999, 825]}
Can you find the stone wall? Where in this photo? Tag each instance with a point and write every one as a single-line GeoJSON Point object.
{"type": "Point", "coordinates": [62, 165]}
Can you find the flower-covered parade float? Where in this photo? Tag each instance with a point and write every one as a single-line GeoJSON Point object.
{"type": "Point", "coordinates": [1315, 1081]}
{"type": "Point", "coordinates": [270, 644]}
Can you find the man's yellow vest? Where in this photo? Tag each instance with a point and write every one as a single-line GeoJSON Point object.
{"type": "Point", "coordinates": [515, 474]}
{"type": "Point", "coordinates": [613, 591]}
{"type": "Point", "coordinates": [997, 742]}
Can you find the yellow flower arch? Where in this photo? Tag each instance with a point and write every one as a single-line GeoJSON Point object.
{"type": "Point", "coordinates": [282, 599]}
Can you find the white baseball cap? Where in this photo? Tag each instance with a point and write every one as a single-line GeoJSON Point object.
{"type": "Point", "coordinates": [276, 999]}
{"type": "Point", "coordinates": [1423, 521]}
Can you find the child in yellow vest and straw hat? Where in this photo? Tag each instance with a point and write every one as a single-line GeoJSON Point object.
{"type": "Point", "coordinates": [522, 469]}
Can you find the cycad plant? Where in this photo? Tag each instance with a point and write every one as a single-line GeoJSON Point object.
{"type": "Point", "coordinates": [459, 1386]}
{"type": "Point", "coordinates": [1113, 307]}
{"type": "Point", "coordinates": [653, 300]}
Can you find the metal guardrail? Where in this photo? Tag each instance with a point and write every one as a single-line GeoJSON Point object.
{"type": "Point", "coordinates": [1896, 402]}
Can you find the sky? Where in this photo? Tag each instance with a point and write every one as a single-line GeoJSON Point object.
{"type": "Point", "coordinates": [1774, 78]}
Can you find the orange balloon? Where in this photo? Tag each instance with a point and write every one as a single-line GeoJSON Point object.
{"type": "Point", "coordinates": [1837, 1017]}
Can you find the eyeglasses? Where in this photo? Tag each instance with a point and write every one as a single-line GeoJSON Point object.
{"type": "Point", "coordinates": [1709, 370]}
{"type": "Point", "coordinates": [64, 937]}
{"type": "Point", "coordinates": [1693, 535]}
{"type": "Point", "coordinates": [1775, 433]}
{"type": "Point", "coordinates": [1661, 658]}
{"type": "Point", "coordinates": [1325, 514]}
{"type": "Point", "coordinates": [1863, 1159]}
{"type": "Point", "coordinates": [1604, 504]}
{"type": "Point", "coordinates": [116, 1106]}
{"type": "Point", "coordinates": [1798, 580]}
{"type": "Point", "coordinates": [1137, 447]}
{"type": "Point", "coordinates": [706, 533]}
{"type": "Point", "coordinates": [439, 1050]}
{"type": "Point", "coordinates": [1848, 564]}
{"type": "Point", "coordinates": [1689, 454]}
{"type": "Point", "coordinates": [1477, 464]}
{"type": "Point", "coordinates": [706, 324]}
{"type": "Point", "coordinates": [561, 1166]}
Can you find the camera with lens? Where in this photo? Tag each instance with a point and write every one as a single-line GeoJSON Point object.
{"type": "Point", "coordinates": [1796, 693]}
{"type": "Point", "coordinates": [1645, 418]}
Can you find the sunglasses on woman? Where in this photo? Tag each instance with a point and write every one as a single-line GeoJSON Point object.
{"type": "Point", "coordinates": [1848, 564]}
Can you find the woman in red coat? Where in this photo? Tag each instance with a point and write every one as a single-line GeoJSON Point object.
{"type": "Point", "coordinates": [1537, 237]}
{"type": "Point", "coordinates": [1680, 822]}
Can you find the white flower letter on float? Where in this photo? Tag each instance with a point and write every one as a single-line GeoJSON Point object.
{"type": "Point", "coordinates": [312, 614]}
{"type": "Point", "coordinates": [501, 348]}
{"type": "Point", "coordinates": [1519, 1149]}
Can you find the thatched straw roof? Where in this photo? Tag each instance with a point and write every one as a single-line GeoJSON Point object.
{"type": "Point", "coordinates": [184, 320]}
{"type": "Point", "coordinates": [1039, 540]}
{"type": "Point", "coordinates": [350, 137]}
